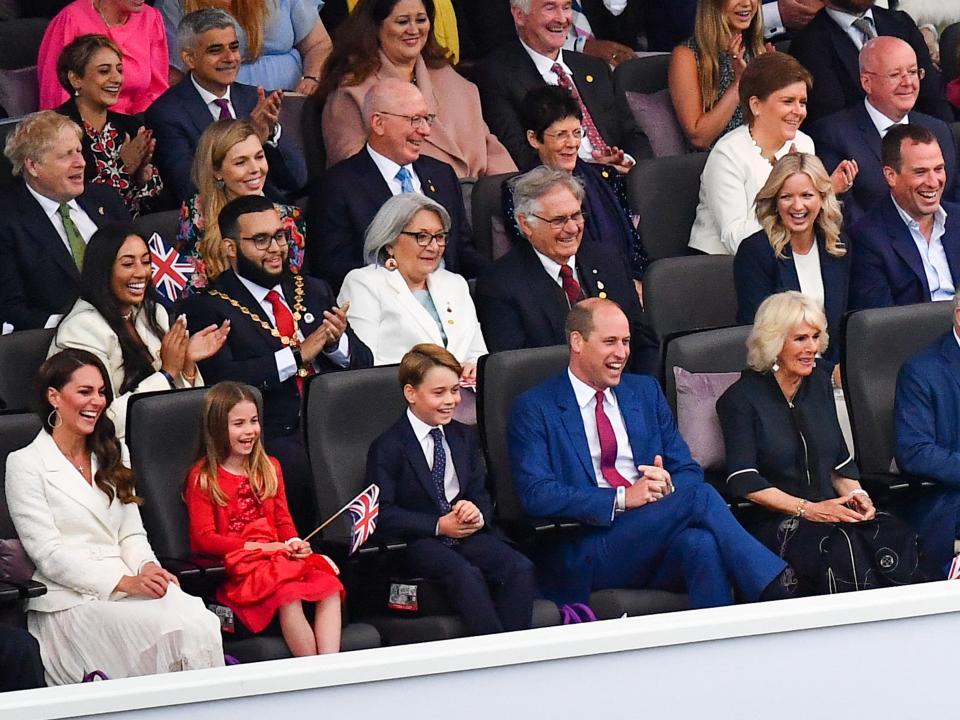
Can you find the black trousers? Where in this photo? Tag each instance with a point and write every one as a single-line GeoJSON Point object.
{"type": "Point", "coordinates": [20, 664]}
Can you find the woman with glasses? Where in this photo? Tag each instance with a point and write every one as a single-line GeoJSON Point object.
{"type": "Point", "coordinates": [395, 39]}
{"type": "Point", "coordinates": [552, 119]}
{"type": "Point", "coordinates": [404, 296]}
{"type": "Point", "coordinates": [229, 162]}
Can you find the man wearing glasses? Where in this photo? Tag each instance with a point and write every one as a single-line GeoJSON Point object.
{"type": "Point", "coordinates": [352, 191]}
{"type": "Point", "coordinates": [523, 300]}
{"type": "Point", "coordinates": [890, 77]}
{"type": "Point", "coordinates": [284, 329]}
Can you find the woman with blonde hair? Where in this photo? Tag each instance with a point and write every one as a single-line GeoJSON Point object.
{"type": "Point", "coordinates": [229, 162]}
{"type": "Point", "coordinates": [799, 247]}
{"type": "Point", "coordinates": [704, 77]}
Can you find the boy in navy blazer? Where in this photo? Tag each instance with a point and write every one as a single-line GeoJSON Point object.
{"type": "Point", "coordinates": [433, 495]}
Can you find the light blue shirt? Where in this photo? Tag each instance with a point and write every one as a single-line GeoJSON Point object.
{"type": "Point", "coordinates": [935, 265]}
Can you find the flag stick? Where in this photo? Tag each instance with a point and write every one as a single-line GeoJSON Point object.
{"type": "Point", "coordinates": [337, 514]}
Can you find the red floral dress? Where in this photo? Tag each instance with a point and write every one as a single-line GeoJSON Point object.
{"type": "Point", "coordinates": [258, 582]}
{"type": "Point", "coordinates": [105, 148]}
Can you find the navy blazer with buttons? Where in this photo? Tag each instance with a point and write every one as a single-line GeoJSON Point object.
{"type": "Point", "coordinates": [886, 267]}
{"type": "Point", "coordinates": [759, 273]}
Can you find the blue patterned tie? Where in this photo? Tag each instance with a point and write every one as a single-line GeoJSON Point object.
{"type": "Point", "coordinates": [439, 468]}
{"type": "Point", "coordinates": [406, 184]}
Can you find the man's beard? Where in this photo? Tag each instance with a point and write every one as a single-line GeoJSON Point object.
{"type": "Point", "coordinates": [248, 269]}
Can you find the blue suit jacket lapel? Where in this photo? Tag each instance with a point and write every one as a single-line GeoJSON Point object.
{"type": "Point", "coordinates": [414, 452]}
{"type": "Point", "coordinates": [459, 455]}
{"type": "Point", "coordinates": [633, 420]}
{"type": "Point", "coordinates": [951, 244]}
{"type": "Point", "coordinates": [871, 138]}
{"type": "Point", "coordinates": [902, 243]}
{"type": "Point", "coordinates": [789, 279]}
{"type": "Point", "coordinates": [572, 422]}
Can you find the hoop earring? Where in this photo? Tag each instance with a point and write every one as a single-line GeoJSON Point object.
{"type": "Point", "coordinates": [54, 419]}
{"type": "Point", "coordinates": [390, 263]}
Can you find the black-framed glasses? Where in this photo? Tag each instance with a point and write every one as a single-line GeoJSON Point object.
{"type": "Point", "coordinates": [424, 238]}
{"type": "Point", "coordinates": [914, 73]}
{"type": "Point", "coordinates": [560, 222]}
{"type": "Point", "coordinates": [416, 121]}
{"type": "Point", "coordinates": [261, 241]}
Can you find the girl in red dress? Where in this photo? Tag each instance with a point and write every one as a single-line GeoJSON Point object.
{"type": "Point", "coordinates": [238, 511]}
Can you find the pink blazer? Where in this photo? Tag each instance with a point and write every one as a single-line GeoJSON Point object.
{"type": "Point", "coordinates": [459, 138]}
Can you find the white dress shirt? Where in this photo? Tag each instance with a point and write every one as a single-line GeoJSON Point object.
{"type": "Point", "coordinates": [846, 20]}
{"type": "Point", "coordinates": [552, 267]}
{"type": "Point", "coordinates": [209, 99]}
{"type": "Point", "coordinates": [451, 484]}
{"type": "Point", "coordinates": [808, 273]}
{"type": "Point", "coordinates": [935, 265]}
{"type": "Point", "coordinates": [880, 121]}
{"type": "Point", "coordinates": [389, 169]}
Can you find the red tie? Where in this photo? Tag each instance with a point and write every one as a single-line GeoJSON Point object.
{"type": "Point", "coordinates": [570, 285]}
{"type": "Point", "coordinates": [283, 319]}
{"type": "Point", "coordinates": [599, 144]}
{"type": "Point", "coordinates": [608, 447]}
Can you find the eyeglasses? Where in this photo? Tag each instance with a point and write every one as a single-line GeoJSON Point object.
{"type": "Point", "coordinates": [560, 222]}
{"type": "Point", "coordinates": [416, 121]}
{"type": "Point", "coordinates": [261, 241]}
{"type": "Point", "coordinates": [565, 135]}
{"type": "Point", "coordinates": [913, 73]}
{"type": "Point", "coordinates": [424, 238]}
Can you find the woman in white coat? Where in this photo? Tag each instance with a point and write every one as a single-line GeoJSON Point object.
{"type": "Point", "coordinates": [118, 319]}
{"type": "Point", "coordinates": [109, 605]}
{"type": "Point", "coordinates": [404, 296]}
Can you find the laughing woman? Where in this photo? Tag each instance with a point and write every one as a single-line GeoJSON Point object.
{"type": "Point", "coordinates": [118, 319]}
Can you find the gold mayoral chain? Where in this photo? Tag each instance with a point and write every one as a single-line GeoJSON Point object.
{"type": "Point", "coordinates": [298, 312]}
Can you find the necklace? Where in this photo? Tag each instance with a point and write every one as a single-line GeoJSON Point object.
{"type": "Point", "coordinates": [98, 6]}
{"type": "Point", "coordinates": [81, 466]}
{"type": "Point", "coordinates": [298, 312]}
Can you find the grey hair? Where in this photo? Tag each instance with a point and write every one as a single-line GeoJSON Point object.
{"type": "Point", "coordinates": [195, 24]}
{"type": "Point", "coordinates": [531, 186]}
{"type": "Point", "coordinates": [392, 218]}
{"type": "Point", "coordinates": [956, 301]}
{"type": "Point", "coordinates": [382, 93]}
{"type": "Point", "coordinates": [522, 5]}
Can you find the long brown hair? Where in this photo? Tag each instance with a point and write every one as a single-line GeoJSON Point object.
{"type": "Point", "coordinates": [215, 444]}
{"type": "Point", "coordinates": [712, 34]}
{"type": "Point", "coordinates": [112, 477]}
{"type": "Point", "coordinates": [251, 16]}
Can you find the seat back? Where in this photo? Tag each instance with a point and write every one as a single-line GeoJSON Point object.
{"type": "Point", "coordinates": [876, 344]}
{"type": "Point", "coordinates": [502, 377]}
{"type": "Point", "coordinates": [291, 119]}
{"type": "Point", "coordinates": [6, 169]}
{"type": "Point", "coordinates": [949, 45]}
{"type": "Point", "coordinates": [311, 130]}
{"type": "Point", "coordinates": [165, 224]}
{"type": "Point", "coordinates": [664, 192]}
{"type": "Point", "coordinates": [20, 42]}
{"type": "Point", "coordinates": [689, 293]}
{"type": "Point", "coordinates": [642, 75]}
{"type": "Point", "coordinates": [706, 351]}
{"type": "Point", "coordinates": [485, 206]}
{"type": "Point", "coordinates": [17, 430]}
{"type": "Point", "coordinates": [21, 355]}
{"type": "Point", "coordinates": [345, 413]}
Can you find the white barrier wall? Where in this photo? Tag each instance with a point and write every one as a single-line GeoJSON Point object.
{"type": "Point", "coordinates": [878, 654]}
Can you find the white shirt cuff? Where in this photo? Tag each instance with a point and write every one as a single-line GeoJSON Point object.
{"type": "Point", "coordinates": [615, 6]}
{"type": "Point", "coordinates": [274, 139]}
{"type": "Point", "coordinates": [341, 355]}
{"type": "Point", "coordinates": [52, 321]}
{"type": "Point", "coordinates": [286, 364]}
{"type": "Point", "coordinates": [772, 23]}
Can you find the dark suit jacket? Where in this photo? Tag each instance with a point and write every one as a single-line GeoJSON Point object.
{"type": "Point", "coordinates": [125, 124]}
{"type": "Point", "coordinates": [759, 273]}
{"type": "Point", "coordinates": [830, 55]}
{"type": "Point", "coordinates": [886, 268]}
{"type": "Point", "coordinates": [520, 306]}
{"type": "Point", "coordinates": [851, 134]}
{"type": "Point", "coordinates": [409, 503]}
{"type": "Point", "coordinates": [38, 276]}
{"type": "Point", "coordinates": [927, 413]}
{"type": "Point", "coordinates": [352, 191]}
{"type": "Point", "coordinates": [507, 74]}
{"type": "Point", "coordinates": [178, 119]}
{"type": "Point", "coordinates": [553, 472]}
{"type": "Point", "coordinates": [248, 355]}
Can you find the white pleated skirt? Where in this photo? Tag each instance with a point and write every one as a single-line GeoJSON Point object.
{"type": "Point", "coordinates": [127, 637]}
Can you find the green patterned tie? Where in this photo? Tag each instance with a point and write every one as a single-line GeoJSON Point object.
{"type": "Point", "coordinates": [77, 246]}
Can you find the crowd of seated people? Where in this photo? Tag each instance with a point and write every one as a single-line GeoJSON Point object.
{"type": "Point", "coordinates": [180, 106]}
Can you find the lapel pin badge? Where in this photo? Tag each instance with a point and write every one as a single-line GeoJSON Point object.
{"type": "Point", "coordinates": [599, 285]}
{"type": "Point", "coordinates": [602, 295]}
{"type": "Point", "coordinates": [308, 318]}
{"type": "Point", "coordinates": [100, 210]}
{"type": "Point", "coordinates": [589, 78]}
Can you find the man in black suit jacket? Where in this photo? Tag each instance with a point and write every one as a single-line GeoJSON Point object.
{"type": "Point", "coordinates": [522, 302]}
{"type": "Point", "coordinates": [507, 73]}
{"type": "Point", "coordinates": [39, 270]}
{"type": "Point", "coordinates": [255, 295]}
{"type": "Point", "coordinates": [829, 51]}
{"type": "Point", "coordinates": [907, 248]}
{"type": "Point", "coordinates": [210, 50]}
{"type": "Point", "coordinates": [433, 495]}
{"type": "Point", "coordinates": [352, 191]}
{"type": "Point", "coordinates": [891, 93]}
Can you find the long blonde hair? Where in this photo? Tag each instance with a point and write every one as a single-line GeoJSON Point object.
{"type": "Point", "coordinates": [251, 16]}
{"type": "Point", "coordinates": [212, 149]}
{"type": "Point", "coordinates": [215, 445]}
{"type": "Point", "coordinates": [711, 35]}
{"type": "Point", "coordinates": [828, 221]}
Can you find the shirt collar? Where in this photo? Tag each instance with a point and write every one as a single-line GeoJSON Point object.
{"type": "Point", "coordinates": [258, 291]}
{"type": "Point", "coordinates": [584, 393]}
{"type": "Point", "coordinates": [552, 267]}
{"type": "Point", "coordinates": [207, 96]}
{"type": "Point", "coordinates": [50, 207]}
{"type": "Point", "coordinates": [420, 429]}
{"type": "Point", "coordinates": [939, 217]}
{"type": "Point", "coordinates": [845, 20]}
{"type": "Point", "coordinates": [881, 121]}
{"type": "Point", "coordinates": [387, 167]}
{"type": "Point", "coordinates": [545, 64]}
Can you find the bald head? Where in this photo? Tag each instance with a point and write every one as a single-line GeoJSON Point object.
{"type": "Point", "coordinates": [391, 95]}
{"type": "Point", "coordinates": [397, 119]}
{"type": "Point", "coordinates": [890, 76]}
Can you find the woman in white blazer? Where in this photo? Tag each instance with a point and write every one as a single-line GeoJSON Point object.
{"type": "Point", "coordinates": [109, 605]}
{"type": "Point", "coordinates": [118, 319]}
{"type": "Point", "coordinates": [404, 296]}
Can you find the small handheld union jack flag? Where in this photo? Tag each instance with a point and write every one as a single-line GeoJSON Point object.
{"type": "Point", "coordinates": [171, 270]}
{"type": "Point", "coordinates": [364, 510]}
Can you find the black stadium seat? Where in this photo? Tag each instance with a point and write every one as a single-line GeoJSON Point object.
{"type": "Point", "coordinates": [721, 350]}
{"type": "Point", "coordinates": [21, 354]}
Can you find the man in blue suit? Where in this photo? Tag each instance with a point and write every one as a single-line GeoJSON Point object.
{"type": "Point", "coordinates": [890, 77]}
{"type": "Point", "coordinates": [210, 50]}
{"type": "Point", "coordinates": [907, 249]}
{"type": "Point", "coordinates": [622, 470]}
{"type": "Point", "coordinates": [927, 423]}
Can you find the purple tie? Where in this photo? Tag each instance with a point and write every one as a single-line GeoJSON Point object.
{"type": "Point", "coordinates": [224, 106]}
{"type": "Point", "coordinates": [608, 447]}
